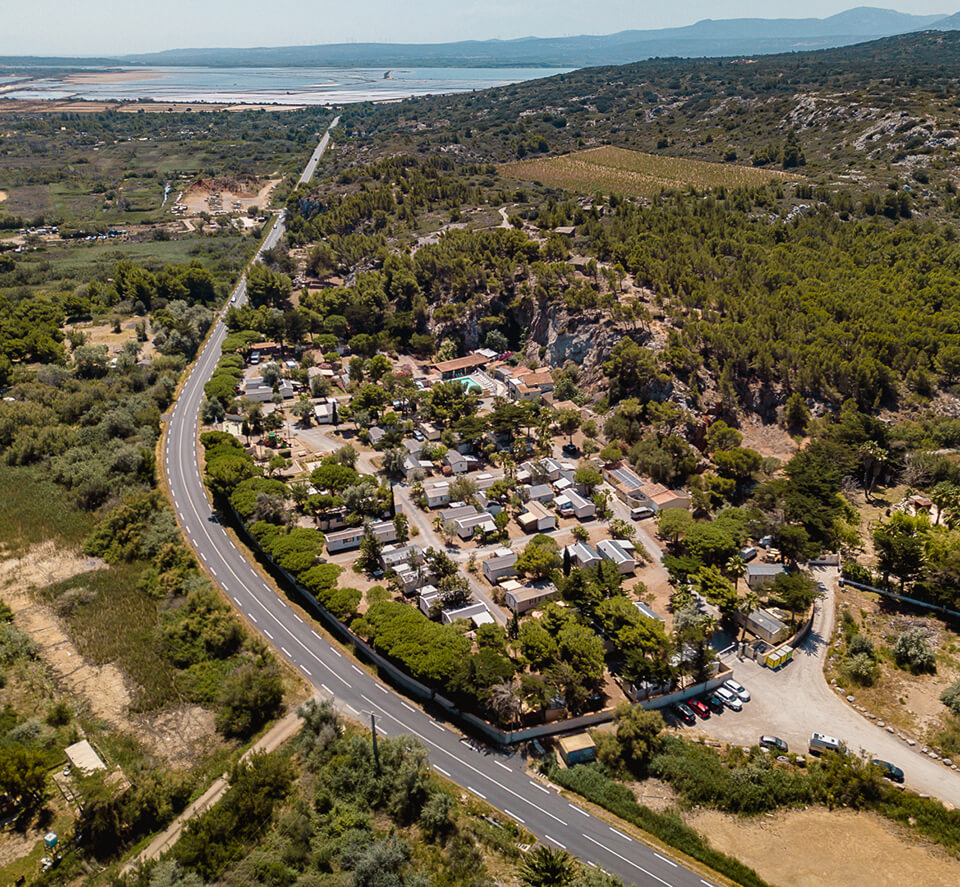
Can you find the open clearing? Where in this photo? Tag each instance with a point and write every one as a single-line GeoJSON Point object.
{"type": "Point", "coordinates": [814, 847]}
{"type": "Point", "coordinates": [213, 194]}
{"type": "Point", "coordinates": [3, 196]}
{"type": "Point", "coordinates": [619, 171]}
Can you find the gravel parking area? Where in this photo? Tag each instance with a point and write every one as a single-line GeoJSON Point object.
{"type": "Point", "coordinates": [797, 701]}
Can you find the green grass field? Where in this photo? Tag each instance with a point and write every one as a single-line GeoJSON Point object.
{"type": "Point", "coordinates": [634, 173]}
{"type": "Point", "coordinates": [33, 509]}
{"type": "Point", "coordinates": [61, 267]}
{"type": "Point", "coordinates": [111, 620]}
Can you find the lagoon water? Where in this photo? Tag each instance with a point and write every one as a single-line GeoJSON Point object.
{"type": "Point", "coordinates": [285, 86]}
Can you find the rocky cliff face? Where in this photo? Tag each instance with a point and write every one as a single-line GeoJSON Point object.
{"type": "Point", "coordinates": [586, 338]}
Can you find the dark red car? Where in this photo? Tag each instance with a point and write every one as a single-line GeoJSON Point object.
{"type": "Point", "coordinates": [700, 708]}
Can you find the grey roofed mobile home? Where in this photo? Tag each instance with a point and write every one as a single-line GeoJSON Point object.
{"type": "Point", "coordinates": [583, 555]}
{"type": "Point", "coordinates": [611, 550]}
{"type": "Point", "coordinates": [476, 612]}
{"type": "Point", "coordinates": [582, 508]}
{"type": "Point", "coordinates": [456, 512]}
{"type": "Point", "coordinates": [758, 575]}
{"type": "Point", "coordinates": [520, 600]}
{"type": "Point", "coordinates": [470, 523]}
{"type": "Point", "coordinates": [537, 493]}
{"type": "Point", "coordinates": [398, 554]}
{"type": "Point", "coordinates": [344, 540]}
{"type": "Point", "coordinates": [500, 566]}
{"type": "Point", "coordinates": [766, 626]}
{"type": "Point", "coordinates": [646, 612]}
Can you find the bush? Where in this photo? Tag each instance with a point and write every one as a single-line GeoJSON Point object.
{"type": "Point", "coordinates": [951, 697]}
{"type": "Point", "coordinates": [912, 651]}
{"type": "Point", "coordinates": [250, 697]}
{"type": "Point", "coordinates": [861, 669]}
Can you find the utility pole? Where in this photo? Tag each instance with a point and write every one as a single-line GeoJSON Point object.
{"type": "Point", "coordinates": [376, 750]}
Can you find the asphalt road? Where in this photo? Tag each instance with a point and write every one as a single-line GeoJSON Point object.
{"type": "Point", "coordinates": [311, 166]}
{"type": "Point", "coordinates": [496, 777]}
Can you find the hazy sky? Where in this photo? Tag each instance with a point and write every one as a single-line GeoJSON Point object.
{"type": "Point", "coordinates": [88, 27]}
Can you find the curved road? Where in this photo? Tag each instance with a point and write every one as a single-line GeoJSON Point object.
{"type": "Point", "coordinates": [497, 778]}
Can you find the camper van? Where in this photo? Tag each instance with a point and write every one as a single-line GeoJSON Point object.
{"type": "Point", "coordinates": [820, 743]}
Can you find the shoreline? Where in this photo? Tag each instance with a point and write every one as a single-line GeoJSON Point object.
{"type": "Point", "coordinates": [81, 77]}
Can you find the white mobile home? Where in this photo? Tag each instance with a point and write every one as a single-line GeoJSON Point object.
{"type": "Point", "coordinates": [611, 550]}
{"type": "Point", "coordinates": [344, 540]}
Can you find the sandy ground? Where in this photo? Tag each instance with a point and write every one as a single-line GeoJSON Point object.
{"type": "Point", "coordinates": [3, 196]}
{"type": "Point", "coordinates": [814, 847]}
{"type": "Point", "coordinates": [197, 196]}
{"type": "Point", "coordinates": [102, 686]}
{"type": "Point", "coordinates": [179, 735]}
{"type": "Point", "coordinates": [112, 76]}
{"type": "Point", "coordinates": [103, 334]}
{"type": "Point", "coordinates": [767, 440]}
{"type": "Point", "coordinates": [910, 702]}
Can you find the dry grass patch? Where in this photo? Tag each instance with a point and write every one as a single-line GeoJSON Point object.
{"type": "Point", "coordinates": [814, 847]}
{"type": "Point", "coordinates": [910, 702]}
{"type": "Point", "coordinates": [619, 171]}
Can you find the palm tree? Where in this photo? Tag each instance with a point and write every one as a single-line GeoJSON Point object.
{"type": "Point", "coordinates": [736, 568]}
{"type": "Point", "coordinates": [504, 702]}
{"type": "Point", "coordinates": [875, 459]}
{"type": "Point", "coordinates": [546, 867]}
{"type": "Point", "coordinates": [748, 603]}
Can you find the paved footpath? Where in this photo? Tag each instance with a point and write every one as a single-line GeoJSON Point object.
{"type": "Point", "coordinates": [286, 728]}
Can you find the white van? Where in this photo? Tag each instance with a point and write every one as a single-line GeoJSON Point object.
{"type": "Point", "coordinates": [820, 742]}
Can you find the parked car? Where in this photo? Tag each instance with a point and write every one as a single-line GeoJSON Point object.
{"type": "Point", "coordinates": [729, 699]}
{"type": "Point", "coordinates": [569, 449]}
{"type": "Point", "coordinates": [233, 298]}
{"type": "Point", "coordinates": [640, 513]}
{"type": "Point", "coordinates": [684, 712]}
{"type": "Point", "coordinates": [820, 742]}
{"type": "Point", "coordinates": [748, 554]}
{"type": "Point", "coordinates": [417, 435]}
{"type": "Point", "coordinates": [891, 771]}
{"type": "Point", "coordinates": [714, 703]}
{"type": "Point", "coordinates": [699, 708]}
{"type": "Point", "coordinates": [737, 690]}
{"type": "Point", "coordinates": [775, 743]}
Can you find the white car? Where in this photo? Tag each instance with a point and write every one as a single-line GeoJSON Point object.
{"type": "Point", "coordinates": [730, 700]}
{"type": "Point", "coordinates": [737, 690]}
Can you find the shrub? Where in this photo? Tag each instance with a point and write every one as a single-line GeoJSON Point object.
{"type": "Point", "coordinates": [860, 644]}
{"type": "Point", "coordinates": [912, 650]}
{"type": "Point", "coordinates": [250, 697]}
{"type": "Point", "coordinates": [950, 697]}
{"type": "Point", "coordinates": [861, 669]}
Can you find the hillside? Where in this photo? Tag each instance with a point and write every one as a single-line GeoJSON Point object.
{"type": "Point", "coordinates": [759, 291]}
{"type": "Point", "coordinates": [869, 117]}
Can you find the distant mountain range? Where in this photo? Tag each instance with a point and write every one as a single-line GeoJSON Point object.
{"type": "Point", "coordinates": [707, 38]}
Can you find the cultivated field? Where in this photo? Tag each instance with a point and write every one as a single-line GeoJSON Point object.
{"type": "Point", "coordinates": [619, 171]}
